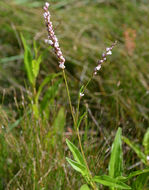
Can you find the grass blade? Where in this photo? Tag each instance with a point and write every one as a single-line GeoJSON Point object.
{"type": "Point", "coordinates": [45, 82]}
{"type": "Point", "coordinates": [80, 119]}
{"type": "Point", "coordinates": [28, 60]}
{"type": "Point", "coordinates": [59, 122]}
{"type": "Point", "coordinates": [140, 181]}
{"type": "Point", "coordinates": [116, 159]}
{"type": "Point", "coordinates": [146, 142]}
{"type": "Point", "coordinates": [49, 95]}
{"type": "Point", "coordinates": [140, 154]}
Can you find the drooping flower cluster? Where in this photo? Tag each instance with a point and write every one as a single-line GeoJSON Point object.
{"type": "Point", "coordinates": [104, 57]}
{"type": "Point", "coordinates": [52, 39]}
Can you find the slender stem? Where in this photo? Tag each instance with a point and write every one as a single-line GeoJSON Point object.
{"type": "Point", "coordinates": [78, 107]}
{"type": "Point", "coordinates": [77, 130]}
{"type": "Point", "coordinates": [88, 83]}
{"type": "Point", "coordinates": [67, 88]}
{"type": "Point", "coordinates": [79, 98]}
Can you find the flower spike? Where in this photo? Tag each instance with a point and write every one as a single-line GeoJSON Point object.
{"type": "Point", "coordinates": [104, 57]}
{"type": "Point", "coordinates": [52, 39]}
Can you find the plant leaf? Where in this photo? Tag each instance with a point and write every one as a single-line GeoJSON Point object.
{"type": "Point", "coordinates": [110, 182]}
{"type": "Point", "coordinates": [55, 135]}
{"type": "Point", "coordinates": [45, 82]}
{"type": "Point", "coordinates": [15, 124]}
{"type": "Point", "coordinates": [146, 142]}
{"type": "Point", "coordinates": [140, 181]}
{"type": "Point", "coordinates": [116, 159]}
{"type": "Point", "coordinates": [76, 153]}
{"type": "Point", "coordinates": [49, 95]}
{"type": "Point", "coordinates": [35, 110]}
{"type": "Point", "coordinates": [80, 119]}
{"type": "Point", "coordinates": [77, 166]}
{"type": "Point", "coordinates": [84, 187]}
{"type": "Point", "coordinates": [59, 122]}
{"type": "Point", "coordinates": [81, 89]}
{"type": "Point", "coordinates": [133, 174]}
{"type": "Point", "coordinates": [140, 154]}
{"type": "Point", "coordinates": [36, 66]}
{"type": "Point", "coordinates": [28, 60]}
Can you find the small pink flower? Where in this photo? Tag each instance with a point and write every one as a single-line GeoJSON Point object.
{"type": "Point", "coordinates": [98, 67]}
{"type": "Point", "coordinates": [62, 66]}
{"type": "Point", "coordinates": [107, 49]}
{"type": "Point", "coordinates": [109, 53]}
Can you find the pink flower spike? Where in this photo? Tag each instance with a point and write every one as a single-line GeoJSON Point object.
{"type": "Point", "coordinates": [52, 39]}
{"type": "Point", "coordinates": [104, 57]}
{"type": "Point", "coordinates": [47, 4]}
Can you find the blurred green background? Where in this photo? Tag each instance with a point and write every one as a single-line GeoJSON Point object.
{"type": "Point", "coordinates": [117, 97]}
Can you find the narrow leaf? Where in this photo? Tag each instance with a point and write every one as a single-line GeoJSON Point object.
{"type": "Point", "coordinates": [80, 119]}
{"type": "Point", "coordinates": [77, 166]}
{"type": "Point", "coordinates": [49, 95]}
{"type": "Point", "coordinates": [46, 81]}
{"type": "Point", "coordinates": [35, 110]}
{"type": "Point", "coordinates": [82, 88]}
{"type": "Point", "coordinates": [27, 60]}
{"type": "Point", "coordinates": [15, 124]}
{"type": "Point", "coordinates": [146, 142]}
{"type": "Point", "coordinates": [76, 153]}
{"type": "Point", "coordinates": [140, 154]}
{"type": "Point", "coordinates": [59, 122]}
{"type": "Point", "coordinates": [36, 66]}
{"type": "Point", "coordinates": [140, 181]}
{"type": "Point", "coordinates": [110, 182]}
{"type": "Point", "coordinates": [133, 174]}
{"type": "Point", "coordinates": [116, 159]}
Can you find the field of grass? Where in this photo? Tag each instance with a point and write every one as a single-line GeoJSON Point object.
{"type": "Point", "coordinates": [33, 150]}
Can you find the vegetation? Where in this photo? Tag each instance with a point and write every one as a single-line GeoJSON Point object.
{"type": "Point", "coordinates": [35, 114]}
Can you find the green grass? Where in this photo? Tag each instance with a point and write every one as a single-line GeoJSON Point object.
{"type": "Point", "coordinates": [117, 97]}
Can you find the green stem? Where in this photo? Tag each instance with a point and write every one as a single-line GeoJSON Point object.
{"type": "Point", "coordinates": [78, 105]}
{"type": "Point", "coordinates": [88, 83]}
{"type": "Point", "coordinates": [77, 130]}
{"type": "Point", "coordinates": [67, 88]}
